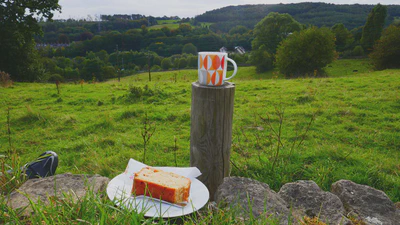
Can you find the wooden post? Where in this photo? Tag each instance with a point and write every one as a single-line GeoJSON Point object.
{"type": "Point", "coordinates": [211, 132]}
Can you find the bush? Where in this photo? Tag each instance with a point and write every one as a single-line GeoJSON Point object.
{"type": "Point", "coordinates": [386, 53]}
{"type": "Point", "coordinates": [306, 52]}
{"type": "Point", "coordinates": [108, 72]}
{"type": "Point", "coordinates": [192, 61]}
{"type": "Point", "coordinates": [155, 68]}
{"type": "Point", "coordinates": [358, 51]}
{"type": "Point", "coordinates": [182, 63]}
{"type": "Point", "coordinates": [262, 60]}
{"type": "Point", "coordinates": [166, 63]}
{"type": "Point", "coordinates": [189, 48]}
{"type": "Point", "coordinates": [5, 79]}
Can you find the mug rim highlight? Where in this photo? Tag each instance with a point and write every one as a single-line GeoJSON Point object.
{"type": "Point", "coordinates": [213, 53]}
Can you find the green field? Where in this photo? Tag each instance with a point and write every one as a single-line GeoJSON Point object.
{"type": "Point", "coordinates": [171, 24]}
{"type": "Point", "coordinates": [96, 128]}
{"type": "Point", "coordinates": [166, 21]}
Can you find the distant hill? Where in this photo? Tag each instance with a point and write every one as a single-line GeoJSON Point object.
{"type": "Point", "coordinates": [318, 14]}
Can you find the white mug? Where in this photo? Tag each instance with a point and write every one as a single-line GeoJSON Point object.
{"type": "Point", "coordinates": [212, 68]}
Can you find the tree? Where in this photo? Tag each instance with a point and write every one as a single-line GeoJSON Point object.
{"type": "Point", "coordinates": [271, 30]}
{"type": "Point", "coordinates": [306, 52]}
{"type": "Point", "coordinates": [373, 27]}
{"type": "Point", "coordinates": [344, 37]}
{"type": "Point", "coordinates": [184, 28]}
{"type": "Point", "coordinates": [268, 33]}
{"type": "Point", "coordinates": [386, 53]}
{"type": "Point", "coordinates": [189, 48]}
{"type": "Point", "coordinates": [18, 25]}
{"type": "Point", "coordinates": [63, 39]}
{"type": "Point", "coordinates": [92, 68]}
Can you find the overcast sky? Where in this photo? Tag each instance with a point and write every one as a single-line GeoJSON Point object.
{"type": "Point", "coordinates": [78, 9]}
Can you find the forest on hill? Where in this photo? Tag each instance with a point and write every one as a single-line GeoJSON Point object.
{"type": "Point", "coordinates": [317, 14]}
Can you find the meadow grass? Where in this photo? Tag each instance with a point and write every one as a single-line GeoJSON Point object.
{"type": "Point", "coordinates": [343, 126]}
{"type": "Point", "coordinates": [171, 24]}
{"type": "Point", "coordinates": [167, 21]}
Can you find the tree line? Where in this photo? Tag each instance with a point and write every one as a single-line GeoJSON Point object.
{"type": "Point", "coordinates": [317, 14]}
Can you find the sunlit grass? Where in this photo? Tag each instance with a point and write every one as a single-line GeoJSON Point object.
{"type": "Point", "coordinates": [96, 128]}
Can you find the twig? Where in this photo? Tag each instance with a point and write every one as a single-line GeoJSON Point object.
{"type": "Point", "coordinates": [279, 143]}
{"type": "Point", "coordinates": [9, 130]}
{"type": "Point", "coordinates": [175, 150]}
{"type": "Point", "coordinates": [147, 133]}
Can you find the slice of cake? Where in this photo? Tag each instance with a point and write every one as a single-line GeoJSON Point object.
{"type": "Point", "coordinates": [159, 184]}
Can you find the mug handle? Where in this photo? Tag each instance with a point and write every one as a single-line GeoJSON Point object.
{"type": "Point", "coordinates": [234, 69]}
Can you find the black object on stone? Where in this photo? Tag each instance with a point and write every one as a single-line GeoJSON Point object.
{"type": "Point", "coordinates": [45, 165]}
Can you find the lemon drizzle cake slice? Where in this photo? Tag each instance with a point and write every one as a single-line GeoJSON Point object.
{"type": "Point", "coordinates": [159, 184]}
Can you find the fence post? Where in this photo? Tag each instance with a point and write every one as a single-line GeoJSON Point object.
{"type": "Point", "coordinates": [211, 132]}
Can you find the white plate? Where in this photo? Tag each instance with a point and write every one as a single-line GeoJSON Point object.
{"type": "Point", "coordinates": [120, 187]}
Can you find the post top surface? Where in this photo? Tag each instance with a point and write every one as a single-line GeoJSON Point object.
{"type": "Point", "coordinates": [225, 85]}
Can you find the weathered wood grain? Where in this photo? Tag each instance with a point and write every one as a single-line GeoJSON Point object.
{"type": "Point", "coordinates": [211, 132]}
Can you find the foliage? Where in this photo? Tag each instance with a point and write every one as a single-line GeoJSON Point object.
{"type": "Point", "coordinates": [396, 22]}
{"type": "Point", "coordinates": [386, 53]}
{"type": "Point", "coordinates": [268, 33]}
{"type": "Point", "coordinates": [358, 51]}
{"type": "Point", "coordinates": [262, 59]}
{"type": "Point", "coordinates": [372, 29]}
{"type": "Point", "coordinates": [274, 28]}
{"type": "Point", "coordinates": [56, 78]}
{"type": "Point", "coordinates": [183, 63]}
{"type": "Point", "coordinates": [18, 25]}
{"type": "Point", "coordinates": [5, 79]}
{"type": "Point", "coordinates": [156, 68]}
{"type": "Point", "coordinates": [306, 52]}
{"type": "Point", "coordinates": [166, 63]}
{"type": "Point", "coordinates": [92, 68]}
{"type": "Point", "coordinates": [344, 37]}
{"type": "Point", "coordinates": [317, 14]}
{"type": "Point", "coordinates": [239, 29]}
{"type": "Point", "coordinates": [189, 48]}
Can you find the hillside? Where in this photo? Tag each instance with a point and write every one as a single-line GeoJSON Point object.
{"type": "Point", "coordinates": [318, 14]}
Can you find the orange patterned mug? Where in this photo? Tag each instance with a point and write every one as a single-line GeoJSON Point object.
{"type": "Point", "coordinates": [212, 68]}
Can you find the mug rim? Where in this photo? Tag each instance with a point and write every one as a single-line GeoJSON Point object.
{"type": "Point", "coordinates": [213, 53]}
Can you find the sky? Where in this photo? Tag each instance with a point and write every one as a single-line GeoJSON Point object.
{"type": "Point", "coordinates": [82, 9]}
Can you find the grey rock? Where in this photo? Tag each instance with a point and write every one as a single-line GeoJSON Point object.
{"type": "Point", "coordinates": [252, 197]}
{"type": "Point", "coordinates": [57, 186]}
{"type": "Point", "coordinates": [371, 205]}
{"type": "Point", "coordinates": [306, 198]}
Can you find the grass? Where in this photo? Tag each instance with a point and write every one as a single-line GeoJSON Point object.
{"type": "Point", "coordinates": [97, 128]}
{"type": "Point", "coordinates": [171, 24]}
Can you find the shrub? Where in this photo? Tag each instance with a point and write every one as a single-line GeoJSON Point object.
{"type": "Point", "coordinates": [155, 68]}
{"type": "Point", "coordinates": [261, 59]}
{"type": "Point", "coordinates": [5, 79]}
{"type": "Point", "coordinates": [182, 63]}
{"type": "Point", "coordinates": [358, 51]}
{"type": "Point", "coordinates": [189, 48]}
{"type": "Point", "coordinates": [306, 52]}
{"type": "Point", "coordinates": [192, 61]}
{"type": "Point", "coordinates": [386, 53]}
{"type": "Point", "coordinates": [166, 63]}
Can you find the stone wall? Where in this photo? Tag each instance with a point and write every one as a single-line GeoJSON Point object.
{"type": "Point", "coordinates": [347, 203]}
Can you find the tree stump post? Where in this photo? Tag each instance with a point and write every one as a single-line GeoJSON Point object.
{"type": "Point", "coordinates": [211, 132]}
